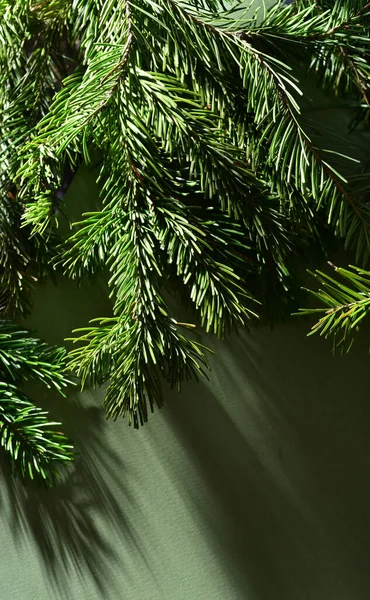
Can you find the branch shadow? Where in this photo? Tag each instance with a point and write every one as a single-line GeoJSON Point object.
{"type": "Point", "coordinates": [280, 470]}
{"type": "Point", "coordinates": [65, 522]}
{"type": "Point", "coordinates": [76, 526]}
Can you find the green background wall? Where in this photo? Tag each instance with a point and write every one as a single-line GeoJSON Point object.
{"type": "Point", "coordinates": [254, 485]}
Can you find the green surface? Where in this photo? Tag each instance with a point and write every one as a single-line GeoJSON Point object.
{"type": "Point", "coordinates": [252, 486]}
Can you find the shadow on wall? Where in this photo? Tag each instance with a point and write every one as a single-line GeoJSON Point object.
{"type": "Point", "coordinates": [63, 522]}
{"type": "Point", "coordinates": [80, 526]}
{"type": "Point", "coordinates": [271, 459]}
{"type": "Point", "coordinates": [281, 438]}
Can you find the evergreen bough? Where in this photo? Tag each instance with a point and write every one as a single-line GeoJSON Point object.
{"type": "Point", "coordinates": [211, 175]}
{"type": "Point", "coordinates": [34, 446]}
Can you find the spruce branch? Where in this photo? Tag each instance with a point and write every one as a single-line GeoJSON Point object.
{"type": "Point", "coordinates": [142, 342]}
{"type": "Point", "coordinates": [23, 357]}
{"type": "Point", "coordinates": [326, 61]}
{"type": "Point", "coordinates": [32, 444]}
{"type": "Point", "coordinates": [310, 166]}
{"type": "Point", "coordinates": [298, 159]}
{"type": "Point", "coordinates": [210, 178]}
{"type": "Point", "coordinates": [346, 301]}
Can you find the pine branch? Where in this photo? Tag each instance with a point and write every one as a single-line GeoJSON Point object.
{"type": "Point", "coordinates": [216, 289]}
{"type": "Point", "coordinates": [346, 305]}
{"type": "Point", "coordinates": [308, 161]}
{"type": "Point", "coordinates": [27, 83]}
{"type": "Point", "coordinates": [143, 342]}
{"type": "Point", "coordinates": [341, 57]}
{"type": "Point", "coordinates": [23, 357]}
{"type": "Point", "coordinates": [33, 446]}
{"type": "Point", "coordinates": [87, 93]}
{"type": "Point", "coordinates": [210, 177]}
{"type": "Point", "coordinates": [15, 281]}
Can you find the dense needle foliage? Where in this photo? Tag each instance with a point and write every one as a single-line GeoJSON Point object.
{"type": "Point", "coordinates": [33, 444]}
{"type": "Point", "coordinates": [212, 177]}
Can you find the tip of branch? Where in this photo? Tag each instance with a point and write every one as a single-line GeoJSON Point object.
{"type": "Point", "coordinates": [332, 265]}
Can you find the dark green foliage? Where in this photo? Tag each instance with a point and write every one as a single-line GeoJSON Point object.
{"type": "Point", "coordinates": [210, 176]}
{"type": "Point", "coordinates": [32, 442]}
{"type": "Point", "coordinates": [347, 302]}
